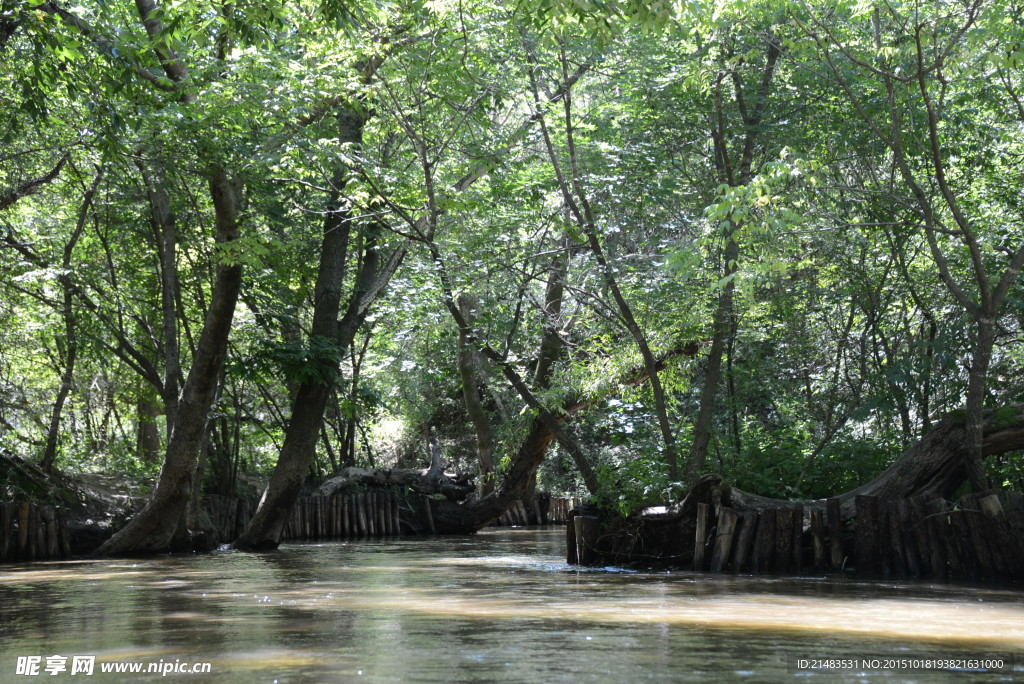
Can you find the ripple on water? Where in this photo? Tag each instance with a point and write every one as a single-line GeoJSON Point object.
{"type": "Point", "coordinates": [498, 606]}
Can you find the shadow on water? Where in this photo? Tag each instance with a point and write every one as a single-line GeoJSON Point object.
{"type": "Point", "coordinates": [497, 606]}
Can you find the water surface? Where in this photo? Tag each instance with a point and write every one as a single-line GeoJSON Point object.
{"type": "Point", "coordinates": [499, 606]}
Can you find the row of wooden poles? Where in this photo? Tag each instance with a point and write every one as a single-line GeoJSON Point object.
{"type": "Point", "coordinates": [353, 516]}
{"type": "Point", "coordinates": [29, 532]}
{"type": "Point", "coordinates": [519, 515]}
{"type": "Point", "coordinates": [977, 538]}
{"type": "Point", "coordinates": [558, 511]}
{"type": "Point", "coordinates": [343, 516]}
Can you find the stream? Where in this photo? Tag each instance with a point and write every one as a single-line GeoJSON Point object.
{"type": "Point", "coordinates": [500, 606]}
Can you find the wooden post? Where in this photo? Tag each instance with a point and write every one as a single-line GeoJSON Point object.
{"type": "Point", "coordinates": [835, 535]}
{"type": "Point", "coordinates": [32, 528]}
{"type": "Point", "coordinates": [49, 529]}
{"type": "Point", "coordinates": [700, 537]}
{"type": "Point", "coordinates": [745, 542]}
{"type": "Point", "coordinates": [323, 505]}
{"type": "Point", "coordinates": [365, 499]}
{"type": "Point", "coordinates": [891, 544]}
{"type": "Point", "coordinates": [430, 515]}
{"type": "Point", "coordinates": [784, 540]}
{"type": "Point", "coordinates": [351, 517]}
{"type": "Point", "coordinates": [312, 518]}
{"type": "Point", "coordinates": [23, 516]}
{"type": "Point", "coordinates": [978, 527]}
{"type": "Point", "coordinates": [818, 538]}
{"type": "Point", "coordinates": [867, 536]}
{"type": "Point", "coordinates": [523, 515]}
{"type": "Point", "coordinates": [908, 537]}
{"type": "Point", "coordinates": [764, 544]}
{"type": "Point", "coordinates": [963, 539]}
{"type": "Point", "coordinates": [727, 518]}
{"type": "Point", "coordinates": [339, 516]}
{"type": "Point", "coordinates": [586, 539]}
{"type": "Point", "coordinates": [798, 537]}
{"type": "Point", "coordinates": [359, 504]}
{"type": "Point", "coordinates": [65, 541]}
{"type": "Point", "coordinates": [378, 513]}
{"type": "Point", "coordinates": [991, 506]}
{"type": "Point", "coordinates": [947, 566]}
{"type": "Point", "coordinates": [571, 556]}
{"type": "Point", "coordinates": [917, 529]}
{"type": "Point", "coordinates": [371, 513]}
{"type": "Point", "coordinates": [5, 529]}
{"type": "Point", "coordinates": [346, 519]}
{"type": "Point", "coordinates": [396, 513]}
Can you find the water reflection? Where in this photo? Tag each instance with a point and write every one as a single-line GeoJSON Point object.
{"type": "Point", "coordinates": [498, 606]}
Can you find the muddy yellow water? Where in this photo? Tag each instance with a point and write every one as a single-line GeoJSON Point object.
{"type": "Point", "coordinates": [499, 606]}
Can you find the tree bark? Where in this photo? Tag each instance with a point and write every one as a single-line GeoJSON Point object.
{"type": "Point", "coordinates": [975, 405]}
{"type": "Point", "coordinates": [471, 398]}
{"type": "Point", "coordinates": [153, 528]}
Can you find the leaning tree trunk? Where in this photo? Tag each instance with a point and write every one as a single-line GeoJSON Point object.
{"type": "Point", "coordinates": [934, 467]}
{"type": "Point", "coordinates": [974, 408]}
{"type": "Point", "coordinates": [153, 528]}
{"type": "Point", "coordinates": [471, 398]}
{"type": "Point", "coordinates": [310, 400]}
{"type": "Point", "coordinates": [453, 518]}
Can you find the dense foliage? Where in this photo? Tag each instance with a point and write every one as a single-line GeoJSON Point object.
{"type": "Point", "coordinates": [782, 237]}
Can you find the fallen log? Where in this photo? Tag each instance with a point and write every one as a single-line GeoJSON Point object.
{"type": "Point", "coordinates": [934, 467]}
{"type": "Point", "coordinates": [456, 487]}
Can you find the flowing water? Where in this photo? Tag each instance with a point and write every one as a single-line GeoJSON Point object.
{"type": "Point", "coordinates": [499, 606]}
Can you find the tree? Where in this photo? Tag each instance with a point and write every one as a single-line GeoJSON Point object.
{"type": "Point", "coordinates": [908, 74]}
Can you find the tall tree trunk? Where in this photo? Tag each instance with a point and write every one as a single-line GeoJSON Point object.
{"type": "Point", "coordinates": [468, 367]}
{"type": "Point", "coordinates": [310, 400]}
{"type": "Point", "coordinates": [722, 324]}
{"type": "Point", "coordinates": [153, 528]}
{"type": "Point", "coordinates": [165, 236]}
{"type": "Point", "coordinates": [974, 423]}
{"type": "Point", "coordinates": [70, 338]}
{"type": "Point", "coordinates": [70, 352]}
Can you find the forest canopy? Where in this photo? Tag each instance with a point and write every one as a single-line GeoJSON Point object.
{"type": "Point", "coordinates": [772, 240]}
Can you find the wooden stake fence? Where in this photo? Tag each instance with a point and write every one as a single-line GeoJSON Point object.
{"type": "Point", "coordinates": [355, 516]}
{"type": "Point", "coordinates": [979, 538]}
{"type": "Point", "coordinates": [32, 533]}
